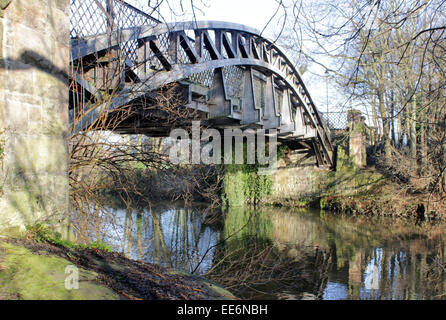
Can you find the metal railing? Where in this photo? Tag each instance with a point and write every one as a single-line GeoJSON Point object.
{"type": "Point", "coordinates": [341, 121]}
{"type": "Point", "coordinates": [93, 17]}
{"type": "Point", "coordinates": [335, 120]}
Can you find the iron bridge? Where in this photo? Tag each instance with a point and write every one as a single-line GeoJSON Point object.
{"type": "Point", "coordinates": [228, 74]}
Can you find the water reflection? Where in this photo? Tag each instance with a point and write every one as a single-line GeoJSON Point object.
{"type": "Point", "coordinates": [175, 237]}
{"type": "Point", "coordinates": [372, 258]}
{"type": "Point", "coordinates": [279, 254]}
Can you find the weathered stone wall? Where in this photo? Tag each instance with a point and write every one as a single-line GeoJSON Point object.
{"type": "Point", "coordinates": [297, 181]}
{"type": "Point", "coordinates": [357, 149]}
{"type": "Point", "coordinates": [34, 59]}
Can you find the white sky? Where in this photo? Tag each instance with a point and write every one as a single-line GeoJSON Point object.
{"type": "Point", "coordinates": [253, 13]}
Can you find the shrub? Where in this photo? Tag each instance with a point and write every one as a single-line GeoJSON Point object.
{"type": "Point", "coordinates": [99, 245]}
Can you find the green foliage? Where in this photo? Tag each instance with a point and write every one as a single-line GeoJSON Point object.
{"type": "Point", "coordinates": [344, 163]}
{"type": "Point", "coordinates": [42, 233]}
{"type": "Point", "coordinates": [323, 203]}
{"type": "Point", "coordinates": [233, 187]}
{"type": "Point", "coordinates": [256, 186]}
{"type": "Point", "coordinates": [139, 166]}
{"type": "Point", "coordinates": [282, 150]}
{"type": "Point", "coordinates": [99, 245]}
{"type": "Point", "coordinates": [244, 185]}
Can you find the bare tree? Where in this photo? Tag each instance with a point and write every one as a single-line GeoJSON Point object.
{"type": "Point", "coordinates": [389, 57]}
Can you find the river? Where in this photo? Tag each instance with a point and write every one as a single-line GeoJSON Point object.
{"type": "Point", "coordinates": [285, 254]}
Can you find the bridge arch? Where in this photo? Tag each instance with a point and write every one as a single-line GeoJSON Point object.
{"type": "Point", "coordinates": [213, 59]}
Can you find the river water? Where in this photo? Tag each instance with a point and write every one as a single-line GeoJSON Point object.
{"type": "Point", "coordinates": [286, 254]}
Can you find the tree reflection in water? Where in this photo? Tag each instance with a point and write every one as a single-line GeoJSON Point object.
{"type": "Point", "coordinates": [280, 254]}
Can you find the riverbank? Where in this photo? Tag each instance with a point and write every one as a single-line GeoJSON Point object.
{"type": "Point", "coordinates": [37, 270]}
{"type": "Point", "coordinates": [368, 191]}
{"type": "Point", "coordinates": [385, 198]}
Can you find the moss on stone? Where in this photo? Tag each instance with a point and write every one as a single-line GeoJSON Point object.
{"type": "Point", "coordinates": [233, 194]}
{"type": "Point", "coordinates": [12, 232]}
{"type": "Point", "coordinates": [243, 184]}
{"type": "Point", "coordinates": [348, 182]}
{"type": "Point", "coordinates": [30, 276]}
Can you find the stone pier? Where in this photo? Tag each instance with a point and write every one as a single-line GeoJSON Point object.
{"type": "Point", "coordinates": [34, 59]}
{"type": "Point", "coordinates": [298, 181]}
{"type": "Point", "coordinates": [357, 139]}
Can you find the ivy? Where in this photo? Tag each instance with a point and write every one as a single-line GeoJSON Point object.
{"type": "Point", "coordinates": [244, 185]}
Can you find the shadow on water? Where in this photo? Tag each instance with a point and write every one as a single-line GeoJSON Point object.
{"type": "Point", "coordinates": [280, 254]}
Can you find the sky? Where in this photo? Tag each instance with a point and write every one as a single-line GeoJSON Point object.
{"type": "Point", "coordinates": [253, 13]}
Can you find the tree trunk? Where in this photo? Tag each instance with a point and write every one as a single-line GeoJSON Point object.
{"type": "Point", "coordinates": [385, 121]}
{"type": "Point", "coordinates": [422, 148]}
{"type": "Point", "coordinates": [375, 119]}
{"type": "Point", "coordinates": [392, 121]}
{"type": "Point", "coordinates": [413, 130]}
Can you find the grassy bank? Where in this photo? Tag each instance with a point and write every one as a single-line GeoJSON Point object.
{"type": "Point", "coordinates": [41, 276]}
{"type": "Point", "coordinates": [36, 268]}
{"type": "Point", "coordinates": [370, 191]}
{"type": "Point", "coordinates": [351, 190]}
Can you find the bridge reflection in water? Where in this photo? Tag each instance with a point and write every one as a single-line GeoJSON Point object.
{"type": "Point", "coordinates": [278, 254]}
